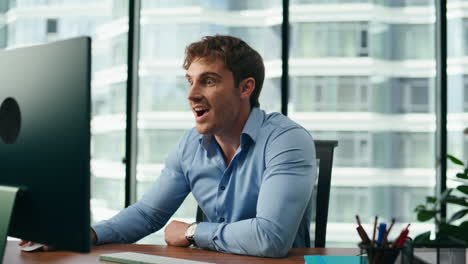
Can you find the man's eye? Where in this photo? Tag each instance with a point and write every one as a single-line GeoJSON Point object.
{"type": "Point", "coordinates": [210, 81]}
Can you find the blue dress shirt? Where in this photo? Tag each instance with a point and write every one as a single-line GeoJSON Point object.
{"type": "Point", "coordinates": [258, 205]}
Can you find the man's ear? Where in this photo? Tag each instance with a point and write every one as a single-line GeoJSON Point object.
{"type": "Point", "coordinates": [247, 86]}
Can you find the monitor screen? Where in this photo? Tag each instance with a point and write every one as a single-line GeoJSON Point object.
{"type": "Point", "coordinates": [45, 141]}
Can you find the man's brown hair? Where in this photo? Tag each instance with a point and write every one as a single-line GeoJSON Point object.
{"type": "Point", "coordinates": [239, 58]}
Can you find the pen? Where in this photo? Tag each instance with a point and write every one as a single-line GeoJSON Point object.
{"type": "Point", "coordinates": [401, 238]}
{"type": "Point", "coordinates": [373, 232]}
{"type": "Point", "coordinates": [382, 229]}
{"type": "Point", "coordinates": [384, 240]}
{"type": "Point", "coordinates": [358, 220]}
{"type": "Point", "coordinates": [362, 233]}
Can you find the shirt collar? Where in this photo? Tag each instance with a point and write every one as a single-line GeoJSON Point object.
{"type": "Point", "coordinates": [253, 124]}
{"type": "Point", "coordinates": [251, 128]}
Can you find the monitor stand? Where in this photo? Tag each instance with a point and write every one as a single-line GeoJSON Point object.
{"type": "Point", "coordinates": [8, 196]}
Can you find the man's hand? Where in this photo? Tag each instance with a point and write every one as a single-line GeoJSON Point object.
{"type": "Point", "coordinates": [174, 234]}
{"type": "Point", "coordinates": [26, 243]}
{"type": "Point", "coordinates": [93, 237]}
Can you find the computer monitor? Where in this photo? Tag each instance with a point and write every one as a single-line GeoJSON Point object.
{"type": "Point", "coordinates": [45, 141]}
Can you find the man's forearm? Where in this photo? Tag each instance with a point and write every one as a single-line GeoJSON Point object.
{"type": "Point", "coordinates": [255, 237]}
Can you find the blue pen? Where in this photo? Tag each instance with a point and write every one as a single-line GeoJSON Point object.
{"type": "Point", "coordinates": [382, 230]}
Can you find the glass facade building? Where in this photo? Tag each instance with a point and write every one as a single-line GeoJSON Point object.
{"type": "Point", "coordinates": [360, 71]}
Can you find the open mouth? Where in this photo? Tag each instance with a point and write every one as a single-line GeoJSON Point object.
{"type": "Point", "coordinates": [201, 111]}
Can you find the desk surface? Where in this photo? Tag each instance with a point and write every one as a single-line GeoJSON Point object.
{"type": "Point", "coordinates": [14, 255]}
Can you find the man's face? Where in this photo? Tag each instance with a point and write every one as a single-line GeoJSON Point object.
{"type": "Point", "coordinates": [214, 100]}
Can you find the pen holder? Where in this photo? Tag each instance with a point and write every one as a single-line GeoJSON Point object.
{"type": "Point", "coordinates": [386, 255]}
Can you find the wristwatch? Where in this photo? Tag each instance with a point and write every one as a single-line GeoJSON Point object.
{"type": "Point", "coordinates": [190, 233]}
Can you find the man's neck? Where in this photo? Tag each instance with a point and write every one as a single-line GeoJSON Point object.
{"type": "Point", "coordinates": [229, 140]}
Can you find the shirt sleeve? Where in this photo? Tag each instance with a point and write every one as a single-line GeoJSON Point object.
{"type": "Point", "coordinates": [152, 211]}
{"type": "Point", "coordinates": [284, 195]}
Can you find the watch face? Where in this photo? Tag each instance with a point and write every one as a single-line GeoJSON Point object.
{"type": "Point", "coordinates": [190, 232]}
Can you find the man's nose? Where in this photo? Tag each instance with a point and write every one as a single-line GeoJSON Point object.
{"type": "Point", "coordinates": [194, 93]}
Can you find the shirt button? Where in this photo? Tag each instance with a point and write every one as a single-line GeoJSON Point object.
{"type": "Point", "coordinates": [221, 219]}
{"type": "Point", "coordinates": [223, 188]}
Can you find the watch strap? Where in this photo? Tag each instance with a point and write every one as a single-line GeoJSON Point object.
{"type": "Point", "coordinates": [190, 233]}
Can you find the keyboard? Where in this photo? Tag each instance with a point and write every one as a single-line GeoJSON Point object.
{"type": "Point", "coordinates": [139, 258]}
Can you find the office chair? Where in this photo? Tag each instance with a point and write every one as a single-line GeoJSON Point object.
{"type": "Point", "coordinates": [324, 155]}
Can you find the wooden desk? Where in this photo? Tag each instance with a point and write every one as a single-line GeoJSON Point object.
{"type": "Point", "coordinates": [13, 254]}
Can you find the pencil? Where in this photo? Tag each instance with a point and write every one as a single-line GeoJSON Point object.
{"type": "Point", "coordinates": [384, 240]}
{"type": "Point", "coordinates": [373, 233]}
{"type": "Point", "coordinates": [358, 220]}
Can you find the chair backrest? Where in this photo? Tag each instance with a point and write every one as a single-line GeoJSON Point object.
{"type": "Point", "coordinates": [324, 155]}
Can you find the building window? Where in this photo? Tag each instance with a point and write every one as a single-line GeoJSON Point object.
{"type": "Point", "coordinates": [465, 95]}
{"type": "Point", "coordinates": [417, 151]}
{"type": "Point", "coordinates": [354, 147]}
{"type": "Point", "coordinates": [418, 3]}
{"type": "Point", "coordinates": [363, 40]}
{"type": "Point", "coordinates": [465, 149]}
{"type": "Point", "coordinates": [155, 145]}
{"type": "Point", "coordinates": [3, 36]}
{"type": "Point", "coordinates": [415, 95]}
{"type": "Point", "coordinates": [108, 146]}
{"type": "Point", "coordinates": [330, 39]}
{"type": "Point", "coordinates": [346, 201]}
{"type": "Point", "coordinates": [354, 150]}
{"type": "Point", "coordinates": [163, 93]}
{"type": "Point", "coordinates": [119, 50]}
{"type": "Point", "coordinates": [352, 94]}
{"type": "Point", "coordinates": [330, 93]}
{"type": "Point", "coordinates": [51, 26]}
{"type": "Point", "coordinates": [418, 41]}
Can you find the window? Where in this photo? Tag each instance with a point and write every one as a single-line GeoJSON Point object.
{"type": "Point", "coordinates": [363, 39]}
{"type": "Point", "coordinates": [93, 18]}
{"type": "Point", "coordinates": [3, 35]}
{"type": "Point", "coordinates": [415, 95]}
{"type": "Point", "coordinates": [465, 36]}
{"type": "Point", "coordinates": [398, 41]}
{"type": "Point", "coordinates": [465, 95]}
{"type": "Point", "coordinates": [416, 35]}
{"type": "Point", "coordinates": [167, 27]}
{"type": "Point", "coordinates": [51, 26]}
{"type": "Point", "coordinates": [156, 144]}
{"type": "Point", "coordinates": [328, 1]}
{"type": "Point", "coordinates": [457, 87]}
{"type": "Point", "coordinates": [349, 199]}
{"type": "Point", "coordinates": [352, 94]}
{"type": "Point", "coordinates": [465, 148]}
{"type": "Point", "coordinates": [403, 3]}
{"type": "Point", "coordinates": [360, 80]}
{"type": "Point", "coordinates": [416, 147]}
{"type": "Point", "coordinates": [354, 147]}
{"type": "Point", "coordinates": [308, 94]}
{"type": "Point", "coordinates": [329, 39]}
{"type": "Point", "coordinates": [330, 93]}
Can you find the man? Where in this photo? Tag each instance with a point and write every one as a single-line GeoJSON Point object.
{"type": "Point", "coordinates": [251, 173]}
